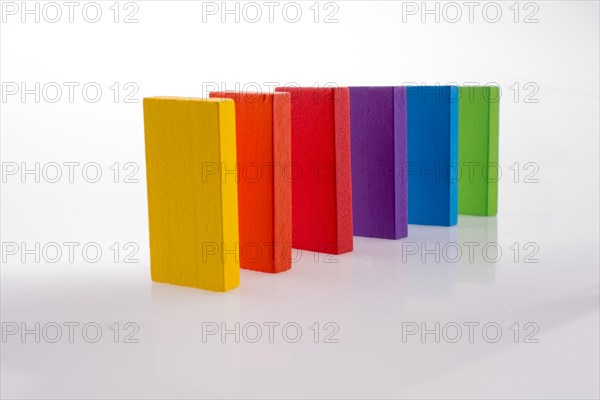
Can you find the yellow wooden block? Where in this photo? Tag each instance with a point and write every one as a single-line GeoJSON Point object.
{"type": "Point", "coordinates": [192, 192]}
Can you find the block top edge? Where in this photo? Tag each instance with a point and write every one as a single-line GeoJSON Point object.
{"type": "Point", "coordinates": [480, 86]}
{"type": "Point", "coordinates": [191, 99]}
{"type": "Point", "coordinates": [233, 92]}
{"type": "Point", "coordinates": [293, 88]}
{"type": "Point", "coordinates": [248, 96]}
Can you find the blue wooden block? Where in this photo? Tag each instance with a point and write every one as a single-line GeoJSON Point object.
{"type": "Point", "coordinates": [432, 167]}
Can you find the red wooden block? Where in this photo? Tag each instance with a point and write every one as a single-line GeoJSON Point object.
{"type": "Point", "coordinates": [263, 145]}
{"type": "Point", "coordinates": [321, 173]}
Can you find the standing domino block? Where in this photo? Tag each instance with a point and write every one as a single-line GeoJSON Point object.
{"type": "Point", "coordinates": [263, 124]}
{"type": "Point", "coordinates": [378, 132]}
{"type": "Point", "coordinates": [478, 125]}
{"type": "Point", "coordinates": [432, 167]}
{"type": "Point", "coordinates": [192, 192]}
{"type": "Point", "coordinates": [321, 173]}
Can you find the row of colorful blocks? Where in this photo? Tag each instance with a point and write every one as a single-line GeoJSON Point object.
{"type": "Point", "coordinates": [240, 179]}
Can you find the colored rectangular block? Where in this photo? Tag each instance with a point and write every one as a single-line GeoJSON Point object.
{"type": "Point", "coordinates": [321, 171]}
{"type": "Point", "coordinates": [378, 143]}
{"type": "Point", "coordinates": [478, 126]}
{"type": "Point", "coordinates": [432, 166]}
{"type": "Point", "coordinates": [192, 192]}
{"type": "Point", "coordinates": [263, 123]}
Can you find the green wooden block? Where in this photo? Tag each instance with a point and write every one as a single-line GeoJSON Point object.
{"type": "Point", "coordinates": [478, 121]}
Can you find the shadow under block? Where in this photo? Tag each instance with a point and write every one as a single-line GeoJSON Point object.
{"type": "Point", "coordinates": [478, 125]}
{"type": "Point", "coordinates": [192, 193]}
{"type": "Point", "coordinates": [378, 143]}
{"type": "Point", "coordinates": [263, 123]}
{"type": "Point", "coordinates": [432, 166]}
{"type": "Point", "coordinates": [321, 172]}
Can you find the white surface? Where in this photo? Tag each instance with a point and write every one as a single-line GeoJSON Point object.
{"type": "Point", "coordinates": [369, 293]}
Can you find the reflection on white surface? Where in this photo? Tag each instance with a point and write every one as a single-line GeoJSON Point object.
{"type": "Point", "coordinates": [475, 266]}
{"type": "Point", "coordinates": [370, 295]}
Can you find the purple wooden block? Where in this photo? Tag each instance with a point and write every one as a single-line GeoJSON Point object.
{"type": "Point", "coordinates": [378, 143]}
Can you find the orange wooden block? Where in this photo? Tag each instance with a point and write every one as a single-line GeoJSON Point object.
{"type": "Point", "coordinates": [263, 123]}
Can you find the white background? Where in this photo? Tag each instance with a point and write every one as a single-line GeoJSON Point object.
{"type": "Point", "coordinates": [549, 211]}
